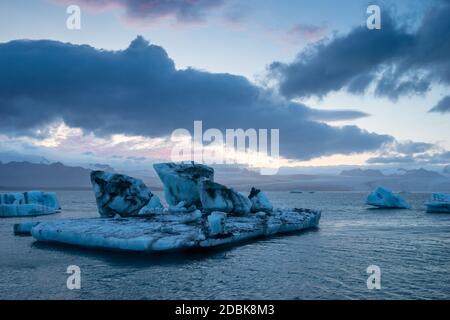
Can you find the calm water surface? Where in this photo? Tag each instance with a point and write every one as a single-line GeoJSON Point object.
{"type": "Point", "coordinates": [412, 249]}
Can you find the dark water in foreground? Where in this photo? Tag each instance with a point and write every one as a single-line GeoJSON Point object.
{"type": "Point", "coordinates": [412, 249]}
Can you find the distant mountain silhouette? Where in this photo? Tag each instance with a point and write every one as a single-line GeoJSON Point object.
{"type": "Point", "coordinates": [362, 173]}
{"type": "Point", "coordinates": [27, 175]}
{"type": "Point", "coordinates": [420, 174]}
{"type": "Point", "coordinates": [102, 167]}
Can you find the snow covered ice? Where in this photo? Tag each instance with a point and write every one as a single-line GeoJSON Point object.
{"type": "Point", "coordinates": [439, 203]}
{"type": "Point", "coordinates": [32, 203]}
{"type": "Point", "coordinates": [384, 198]}
{"type": "Point", "coordinates": [169, 232]}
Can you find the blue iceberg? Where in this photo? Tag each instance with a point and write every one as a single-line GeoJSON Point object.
{"type": "Point", "coordinates": [118, 194]}
{"type": "Point", "coordinates": [201, 214]}
{"type": "Point", "coordinates": [385, 198]}
{"type": "Point", "coordinates": [439, 203]}
{"type": "Point", "coordinates": [32, 203]}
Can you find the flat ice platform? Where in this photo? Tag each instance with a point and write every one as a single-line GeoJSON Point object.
{"type": "Point", "coordinates": [169, 232]}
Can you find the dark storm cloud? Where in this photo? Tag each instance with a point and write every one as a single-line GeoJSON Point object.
{"type": "Point", "coordinates": [182, 10]}
{"type": "Point", "coordinates": [138, 91]}
{"type": "Point", "coordinates": [443, 106]}
{"type": "Point", "coordinates": [395, 60]}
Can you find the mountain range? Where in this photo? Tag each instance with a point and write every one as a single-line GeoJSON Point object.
{"type": "Point", "coordinates": [28, 175]}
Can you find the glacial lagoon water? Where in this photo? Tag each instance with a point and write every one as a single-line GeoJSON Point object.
{"type": "Point", "coordinates": [411, 247]}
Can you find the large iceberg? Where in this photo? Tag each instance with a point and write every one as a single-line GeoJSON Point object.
{"type": "Point", "coordinates": [181, 181]}
{"type": "Point", "coordinates": [170, 232]}
{"type": "Point", "coordinates": [384, 198]}
{"type": "Point", "coordinates": [118, 194]}
{"type": "Point", "coordinates": [226, 216]}
{"type": "Point", "coordinates": [31, 203]}
{"type": "Point", "coordinates": [439, 203]}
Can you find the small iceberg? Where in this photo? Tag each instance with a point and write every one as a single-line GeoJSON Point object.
{"type": "Point", "coordinates": [32, 203]}
{"type": "Point", "coordinates": [385, 198]}
{"type": "Point", "coordinates": [439, 203]}
{"type": "Point", "coordinates": [201, 214]}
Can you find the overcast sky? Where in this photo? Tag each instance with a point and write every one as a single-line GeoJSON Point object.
{"type": "Point", "coordinates": [114, 91]}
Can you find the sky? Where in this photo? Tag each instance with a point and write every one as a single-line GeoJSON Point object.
{"type": "Point", "coordinates": [115, 90]}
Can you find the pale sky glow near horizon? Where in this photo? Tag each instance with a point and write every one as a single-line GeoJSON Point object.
{"type": "Point", "coordinates": [243, 39]}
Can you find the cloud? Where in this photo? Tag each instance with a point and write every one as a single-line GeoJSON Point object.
{"type": "Point", "coordinates": [443, 106]}
{"type": "Point", "coordinates": [411, 147]}
{"type": "Point", "coordinates": [391, 160]}
{"type": "Point", "coordinates": [137, 158]}
{"type": "Point", "coordinates": [138, 91]}
{"type": "Point", "coordinates": [148, 10]}
{"type": "Point", "coordinates": [395, 60]}
{"type": "Point", "coordinates": [441, 158]}
{"type": "Point", "coordinates": [411, 152]}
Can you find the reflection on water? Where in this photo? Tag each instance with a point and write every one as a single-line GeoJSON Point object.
{"type": "Point", "coordinates": [410, 246]}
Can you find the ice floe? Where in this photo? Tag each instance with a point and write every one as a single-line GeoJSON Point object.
{"type": "Point", "coordinates": [170, 232]}
{"type": "Point", "coordinates": [439, 203]}
{"type": "Point", "coordinates": [385, 198]}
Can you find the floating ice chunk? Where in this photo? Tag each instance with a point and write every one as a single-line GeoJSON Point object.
{"type": "Point", "coordinates": [181, 181]}
{"type": "Point", "coordinates": [33, 203]}
{"type": "Point", "coordinates": [384, 198]}
{"type": "Point", "coordinates": [24, 228]}
{"type": "Point", "coordinates": [217, 197]}
{"type": "Point", "coordinates": [24, 210]}
{"type": "Point", "coordinates": [171, 232]}
{"type": "Point", "coordinates": [120, 194]}
{"type": "Point", "coordinates": [47, 199]}
{"type": "Point", "coordinates": [439, 203]}
{"type": "Point", "coordinates": [260, 201]}
{"type": "Point", "coordinates": [216, 223]}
